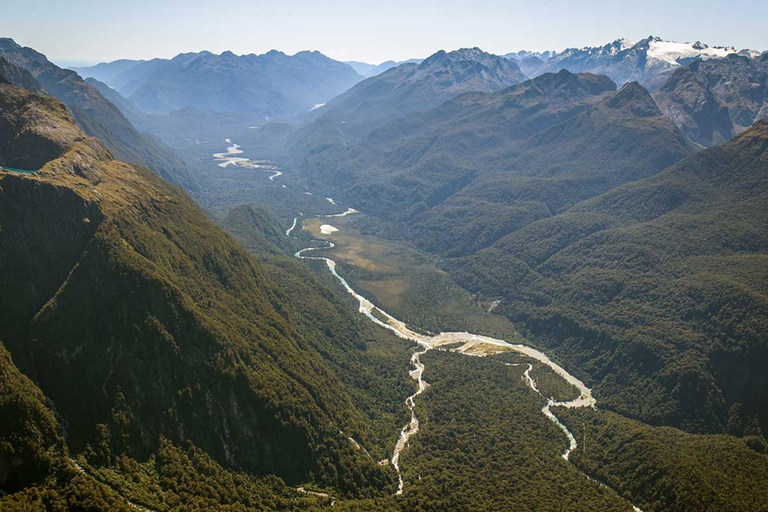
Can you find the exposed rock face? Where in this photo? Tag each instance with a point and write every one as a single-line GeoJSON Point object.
{"type": "Point", "coordinates": [712, 101]}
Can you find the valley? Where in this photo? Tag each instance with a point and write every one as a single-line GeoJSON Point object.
{"type": "Point", "coordinates": [469, 344]}
{"type": "Point", "coordinates": [400, 278]}
{"type": "Point", "coordinates": [473, 281]}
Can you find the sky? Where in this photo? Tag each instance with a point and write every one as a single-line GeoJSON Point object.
{"type": "Point", "coordinates": [72, 32]}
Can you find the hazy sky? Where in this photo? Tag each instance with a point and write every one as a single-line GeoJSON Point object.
{"type": "Point", "coordinates": [94, 31]}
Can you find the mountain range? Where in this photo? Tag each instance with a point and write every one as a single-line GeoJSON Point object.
{"type": "Point", "coordinates": [530, 167]}
{"type": "Point", "coordinates": [369, 70]}
{"type": "Point", "coordinates": [610, 210]}
{"type": "Point", "coordinates": [656, 285]}
{"type": "Point", "coordinates": [492, 162]}
{"type": "Point", "coordinates": [403, 90]}
{"type": "Point", "coordinates": [714, 100]}
{"type": "Point", "coordinates": [261, 85]}
{"type": "Point", "coordinates": [623, 60]}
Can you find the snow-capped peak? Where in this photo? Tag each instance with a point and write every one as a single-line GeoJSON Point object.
{"type": "Point", "coordinates": [672, 53]}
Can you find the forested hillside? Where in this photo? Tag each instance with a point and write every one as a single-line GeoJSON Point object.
{"type": "Point", "coordinates": [483, 165]}
{"type": "Point", "coordinates": [141, 321]}
{"type": "Point", "coordinates": [656, 289]}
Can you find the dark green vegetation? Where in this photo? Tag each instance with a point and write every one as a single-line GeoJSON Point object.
{"type": "Point", "coordinates": [654, 290]}
{"type": "Point", "coordinates": [465, 174]}
{"type": "Point", "coordinates": [92, 112]}
{"type": "Point", "coordinates": [186, 369]}
{"type": "Point", "coordinates": [188, 479]}
{"type": "Point", "coordinates": [664, 469]}
{"type": "Point", "coordinates": [141, 320]}
{"type": "Point", "coordinates": [485, 445]}
{"type": "Point", "coordinates": [33, 465]}
{"type": "Point", "coordinates": [714, 100]}
{"type": "Point", "coordinates": [657, 289]}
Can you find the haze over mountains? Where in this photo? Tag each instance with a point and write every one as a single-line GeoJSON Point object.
{"type": "Point", "coordinates": [263, 85]}
{"type": "Point", "coordinates": [406, 89]}
{"type": "Point", "coordinates": [605, 206]}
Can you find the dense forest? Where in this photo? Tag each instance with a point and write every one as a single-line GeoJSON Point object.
{"type": "Point", "coordinates": [666, 469]}
{"type": "Point", "coordinates": [653, 289]}
{"type": "Point", "coordinates": [141, 320]}
{"type": "Point", "coordinates": [656, 289]}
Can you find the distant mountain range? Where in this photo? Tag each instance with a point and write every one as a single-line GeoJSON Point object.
{"type": "Point", "coordinates": [541, 145]}
{"type": "Point", "coordinates": [107, 71]}
{"type": "Point", "coordinates": [623, 60]}
{"type": "Point", "coordinates": [262, 85]}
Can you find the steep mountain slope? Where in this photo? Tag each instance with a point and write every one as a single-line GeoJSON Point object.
{"type": "Point", "coordinates": [403, 90]}
{"type": "Point", "coordinates": [657, 288]}
{"type": "Point", "coordinates": [622, 60]}
{"type": "Point", "coordinates": [261, 85]}
{"type": "Point", "coordinates": [482, 165]}
{"type": "Point", "coordinates": [30, 435]}
{"type": "Point", "coordinates": [666, 470]}
{"type": "Point", "coordinates": [141, 320]}
{"type": "Point", "coordinates": [96, 116]}
{"type": "Point", "coordinates": [19, 77]}
{"type": "Point", "coordinates": [27, 143]}
{"type": "Point", "coordinates": [714, 100]}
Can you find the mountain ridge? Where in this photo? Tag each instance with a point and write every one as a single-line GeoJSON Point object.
{"type": "Point", "coordinates": [401, 91]}
{"type": "Point", "coordinates": [624, 60]}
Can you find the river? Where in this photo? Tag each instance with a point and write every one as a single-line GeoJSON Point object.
{"type": "Point", "coordinates": [428, 342]}
{"type": "Point", "coordinates": [468, 340]}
